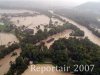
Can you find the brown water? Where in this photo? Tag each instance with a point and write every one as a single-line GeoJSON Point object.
{"type": "Point", "coordinates": [58, 21]}
{"type": "Point", "coordinates": [4, 63]}
{"type": "Point", "coordinates": [5, 38]}
{"type": "Point", "coordinates": [64, 34]}
{"type": "Point", "coordinates": [87, 32]}
{"type": "Point", "coordinates": [32, 22]}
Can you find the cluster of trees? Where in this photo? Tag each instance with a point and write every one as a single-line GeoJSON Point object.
{"type": "Point", "coordinates": [22, 31]}
{"type": "Point", "coordinates": [6, 50]}
{"type": "Point", "coordinates": [63, 52]}
{"type": "Point", "coordinates": [77, 33]}
{"type": "Point", "coordinates": [30, 38]}
{"type": "Point", "coordinates": [36, 54]}
{"type": "Point", "coordinates": [68, 52]}
{"type": "Point", "coordinates": [17, 67]}
{"type": "Point", "coordinates": [41, 35]}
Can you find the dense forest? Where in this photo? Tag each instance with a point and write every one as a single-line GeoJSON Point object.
{"type": "Point", "coordinates": [76, 51]}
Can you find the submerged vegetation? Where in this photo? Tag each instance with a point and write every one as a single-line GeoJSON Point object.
{"type": "Point", "coordinates": [6, 50]}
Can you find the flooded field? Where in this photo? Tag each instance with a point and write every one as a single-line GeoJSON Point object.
{"type": "Point", "coordinates": [5, 38]}
{"type": "Point", "coordinates": [29, 72]}
{"type": "Point", "coordinates": [31, 22]}
{"type": "Point", "coordinates": [5, 62]}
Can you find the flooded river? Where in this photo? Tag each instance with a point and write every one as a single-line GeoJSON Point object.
{"type": "Point", "coordinates": [5, 38]}
{"type": "Point", "coordinates": [87, 32]}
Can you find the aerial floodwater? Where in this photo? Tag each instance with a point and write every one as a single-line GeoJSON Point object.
{"type": "Point", "coordinates": [5, 62]}
{"type": "Point", "coordinates": [87, 32]}
{"type": "Point", "coordinates": [6, 38]}
{"type": "Point", "coordinates": [49, 37]}
{"type": "Point", "coordinates": [31, 23]}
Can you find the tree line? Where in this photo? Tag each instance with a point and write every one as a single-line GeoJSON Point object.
{"type": "Point", "coordinates": [6, 50]}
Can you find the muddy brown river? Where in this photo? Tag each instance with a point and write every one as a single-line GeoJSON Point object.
{"type": "Point", "coordinates": [87, 32]}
